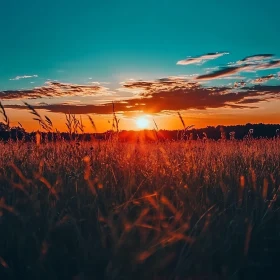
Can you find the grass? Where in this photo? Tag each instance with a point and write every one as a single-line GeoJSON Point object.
{"type": "Point", "coordinates": [109, 210]}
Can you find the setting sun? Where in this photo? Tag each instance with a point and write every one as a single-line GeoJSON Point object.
{"type": "Point", "coordinates": [142, 122]}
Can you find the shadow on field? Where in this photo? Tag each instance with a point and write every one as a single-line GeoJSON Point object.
{"type": "Point", "coordinates": [166, 211]}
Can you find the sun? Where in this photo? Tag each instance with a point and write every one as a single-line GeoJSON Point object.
{"type": "Point", "coordinates": [142, 122]}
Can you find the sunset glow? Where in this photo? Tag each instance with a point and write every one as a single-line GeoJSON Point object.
{"type": "Point", "coordinates": [142, 122]}
{"type": "Point", "coordinates": [223, 77]}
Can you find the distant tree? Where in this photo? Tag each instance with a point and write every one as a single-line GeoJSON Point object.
{"type": "Point", "coordinates": [18, 129]}
{"type": "Point", "coordinates": [3, 127]}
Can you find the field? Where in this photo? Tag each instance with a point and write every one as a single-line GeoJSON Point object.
{"type": "Point", "coordinates": [110, 210]}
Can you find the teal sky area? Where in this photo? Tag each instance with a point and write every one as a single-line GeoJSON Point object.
{"type": "Point", "coordinates": [106, 47]}
{"type": "Point", "coordinates": [112, 40]}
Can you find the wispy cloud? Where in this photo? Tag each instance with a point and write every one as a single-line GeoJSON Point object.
{"type": "Point", "coordinates": [158, 96]}
{"type": "Point", "coordinates": [260, 62]}
{"type": "Point", "coordinates": [173, 93]}
{"type": "Point", "coordinates": [224, 72]}
{"type": "Point", "coordinates": [23, 77]}
{"type": "Point", "coordinates": [55, 89]}
{"type": "Point", "coordinates": [263, 79]}
{"type": "Point", "coordinates": [274, 64]}
{"type": "Point", "coordinates": [255, 58]}
{"type": "Point", "coordinates": [251, 63]}
{"type": "Point", "coordinates": [239, 84]}
{"type": "Point", "coordinates": [201, 59]}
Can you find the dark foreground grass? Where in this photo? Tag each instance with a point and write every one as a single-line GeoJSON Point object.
{"type": "Point", "coordinates": [184, 210]}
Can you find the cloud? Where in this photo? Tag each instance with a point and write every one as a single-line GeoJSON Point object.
{"type": "Point", "coordinates": [55, 89]}
{"type": "Point", "coordinates": [260, 62]}
{"type": "Point", "coordinates": [224, 72]}
{"type": "Point", "coordinates": [239, 84]}
{"type": "Point", "coordinates": [251, 63]}
{"type": "Point", "coordinates": [201, 59]}
{"type": "Point", "coordinates": [274, 64]}
{"type": "Point", "coordinates": [167, 94]}
{"type": "Point", "coordinates": [251, 100]}
{"type": "Point", "coordinates": [265, 90]}
{"type": "Point", "coordinates": [236, 77]}
{"type": "Point", "coordinates": [23, 77]}
{"type": "Point", "coordinates": [263, 79]}
{"type": "Point", "coordinates": [256, 57]}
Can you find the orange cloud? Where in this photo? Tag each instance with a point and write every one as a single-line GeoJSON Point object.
{"type": "Point", "coordinates": [172, 95]}
{"type": "Point", "coordinates": [201, 59]}
{"type": "Point", "coordinates": [55, 89]}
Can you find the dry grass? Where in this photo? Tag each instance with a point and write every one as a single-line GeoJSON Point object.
{"type": "Point", "coordinates": [174, 210]}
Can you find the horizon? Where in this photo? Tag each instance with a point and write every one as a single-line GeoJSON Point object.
{"type": "Point", "coordinates": [94, 130]}
{"type": "Point", "coordinates": [151, 60]}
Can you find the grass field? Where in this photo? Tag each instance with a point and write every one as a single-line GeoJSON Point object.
{"type": "Point", "coordinates": [109, 210]}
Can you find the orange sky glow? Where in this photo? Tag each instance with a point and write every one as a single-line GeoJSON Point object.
{"type": "Point", "coordinates": [171, 121]}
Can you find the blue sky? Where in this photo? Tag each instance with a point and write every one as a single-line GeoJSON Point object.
{"type": "Point", "coordinates": [110, 40]}
{"type": "Point", "coordinates": [113, 41]}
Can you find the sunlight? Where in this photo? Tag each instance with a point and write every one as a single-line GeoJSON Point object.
{"type": "Point", "coordinates": [142, 122]}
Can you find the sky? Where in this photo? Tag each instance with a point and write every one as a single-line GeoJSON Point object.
{"type": "Point", "coordinates": [215, 62]}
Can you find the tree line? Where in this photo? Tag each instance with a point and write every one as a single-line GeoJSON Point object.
{"type": "Point", "coordinates": [210, 132]}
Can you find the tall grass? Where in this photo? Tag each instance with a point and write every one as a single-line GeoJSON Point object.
{"type": "Point", "coordinates": [174, 210]}
{"type": "Point", "coordinates": [111, 210]}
